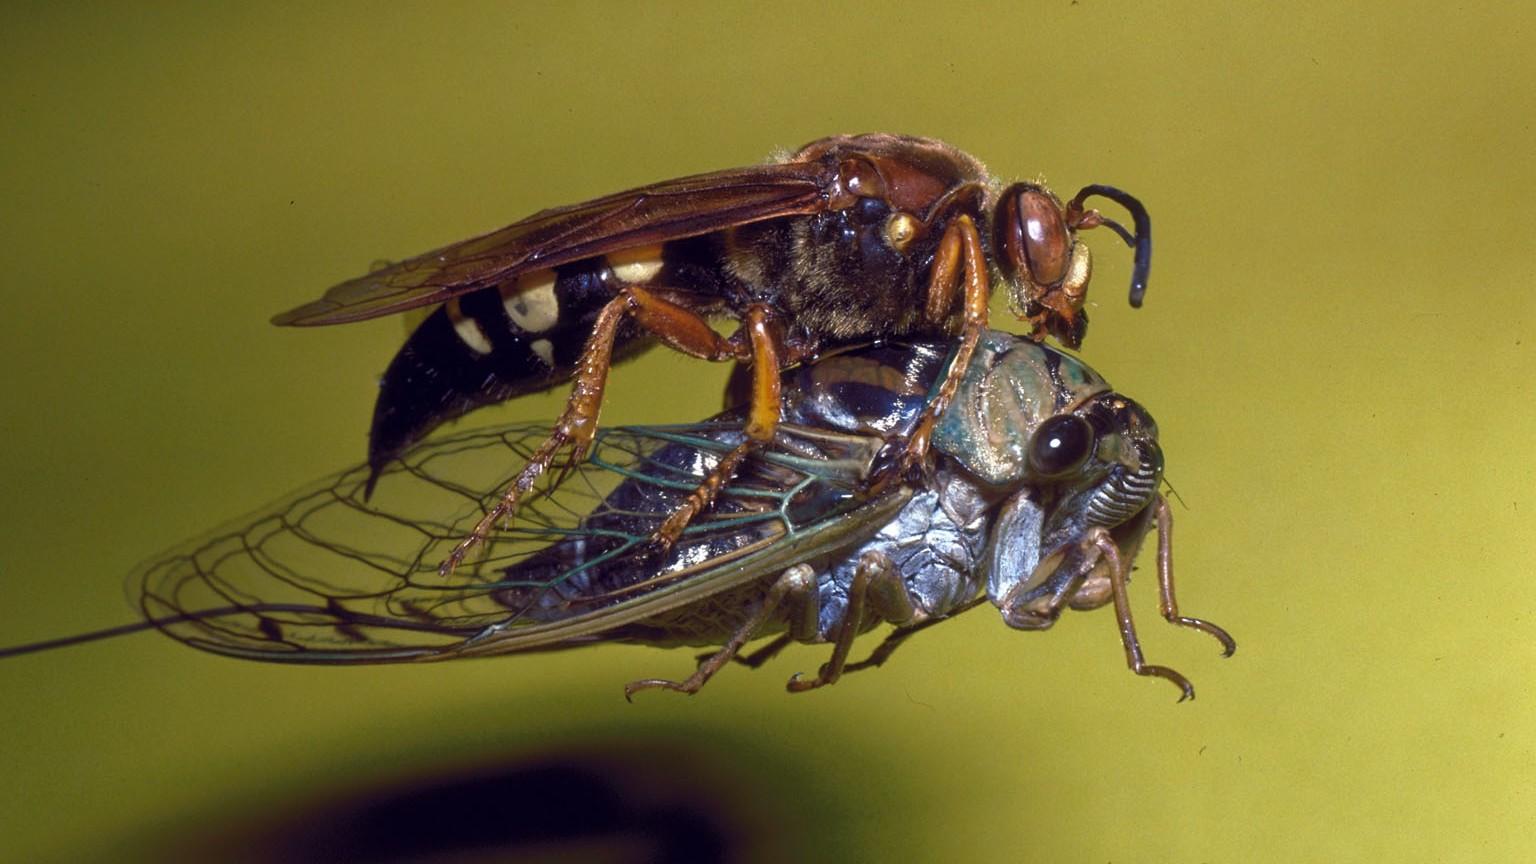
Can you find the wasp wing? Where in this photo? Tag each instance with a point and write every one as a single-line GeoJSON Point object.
{"type": "Point", "coordinates": [669, 210]}
{"type": "Point", "coordinates": [327, 576]}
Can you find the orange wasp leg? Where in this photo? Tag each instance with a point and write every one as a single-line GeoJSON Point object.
{"type": "Point", "coordinates": [762, 422]}
{"type": "Point", "coordinates": [958, 263]}
{"type": "Point", "coordinates": [675, 326]}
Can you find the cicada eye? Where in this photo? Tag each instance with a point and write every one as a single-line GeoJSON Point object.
{"type": "Point", "coordinates": [1033, 235]}
{"type": "Point", "coordinates": [1060, 445]}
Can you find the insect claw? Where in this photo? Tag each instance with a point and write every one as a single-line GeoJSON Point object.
{"type": "Point", "coordinates": [1187, 690]}
{"type": "Point", "coordinates": [634, 687]}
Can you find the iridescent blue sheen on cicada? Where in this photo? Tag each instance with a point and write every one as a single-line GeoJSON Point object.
{"type": "Point", "coordinates": [1043, 484]}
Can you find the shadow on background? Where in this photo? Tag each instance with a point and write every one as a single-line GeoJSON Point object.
{"type": "Point", "coordinates": [649, 801]}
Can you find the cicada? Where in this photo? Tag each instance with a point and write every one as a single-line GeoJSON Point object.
{"type": "Point", "coordinates": [1044, 484]}
{"type": "Point", "coordinates": [848, 239]}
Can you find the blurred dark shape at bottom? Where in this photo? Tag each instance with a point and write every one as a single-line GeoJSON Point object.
{"type": "Point", "coordinates": [566, 807]}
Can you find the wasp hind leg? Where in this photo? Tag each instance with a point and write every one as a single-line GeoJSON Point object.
{"type": "Point", "coordinates": [675, 326]}
{"type": "Point", "coordinates": [762, 422]}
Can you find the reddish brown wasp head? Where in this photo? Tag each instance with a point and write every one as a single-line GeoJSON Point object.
{"type": "Point", "coordinates": [1047, 267]}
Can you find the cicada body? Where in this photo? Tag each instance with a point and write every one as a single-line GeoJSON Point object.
{"type": "Point", "coordinates": [849, 239]}
{"type": "Point", "coordinates": [1045, 483]}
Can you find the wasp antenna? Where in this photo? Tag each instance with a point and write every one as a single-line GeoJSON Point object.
{"type": "Point", "coordinates": [1141, 241]}
{"type": "Point", "coordinates": [1125, 235]}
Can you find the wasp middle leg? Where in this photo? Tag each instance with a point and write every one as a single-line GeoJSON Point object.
{"type": "Point", "coordinates": [673, 325]}
{"type": "Point", "coordinates": [762, 422]}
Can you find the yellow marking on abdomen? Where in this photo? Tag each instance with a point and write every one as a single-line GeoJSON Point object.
{"type": "Point", "coordinates": [636, 266]}
{"type": "Point", "coordinates": [530, 301]}
{"type": "Point", "coordinates": [545, 350]}
{"type": "Point", "coordinates": [468, 329]}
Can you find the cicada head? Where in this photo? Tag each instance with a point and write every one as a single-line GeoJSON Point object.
{"type": "Point", "coordinates": [1093, 469]}
{"type": "Point", "coordinates": [1013, 386]}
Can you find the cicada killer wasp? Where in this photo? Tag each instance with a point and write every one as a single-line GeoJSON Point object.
{"type": "Point", "coordinates": [849, 238]}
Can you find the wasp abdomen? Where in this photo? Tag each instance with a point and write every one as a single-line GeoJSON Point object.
{"type": "Point", "coordinates": [486, 347]}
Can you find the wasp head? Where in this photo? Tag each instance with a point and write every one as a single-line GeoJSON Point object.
{"type": "Point", "coordinates": [1048, 267]}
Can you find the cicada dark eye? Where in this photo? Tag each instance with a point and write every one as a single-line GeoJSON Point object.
{"type": "Point", "coordinates": [1060, 445]}
{"type": "Point", "coordinates": [1033, 235]}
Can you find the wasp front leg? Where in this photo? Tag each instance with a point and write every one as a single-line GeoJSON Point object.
{"type": "Point", "coordinates": [959, 268]}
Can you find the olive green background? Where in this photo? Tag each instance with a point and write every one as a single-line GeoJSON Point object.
{"type": "Point", "coordinates": [1338, 343]}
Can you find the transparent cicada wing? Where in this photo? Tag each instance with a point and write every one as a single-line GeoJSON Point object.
{"type": "Point", "coordinates": [331, 575]}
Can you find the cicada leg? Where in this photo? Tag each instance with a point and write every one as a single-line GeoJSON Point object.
{"type": "Point", "coordinates": [796, 586]}
{"type": "Point", "coordinates": [877, 585]}
{"type": "Point", "coordinates": [959, 266]}
{"type": "Point", "coordinates": [675, 326]}
{"type": "Point", "coordinates": [759, 656]}
{"type": "Point", "coordinates": [1169, 604]}
{"type": "Point", "coordinates": [896, 638]}
{"type": "Point", "coordinates": [1100, 541]}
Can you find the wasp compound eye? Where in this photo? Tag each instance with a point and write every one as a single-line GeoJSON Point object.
{"type": "Point", "coordinates": [1033, 235]}
{"type": "Point", "coordinates": [1060, 445]}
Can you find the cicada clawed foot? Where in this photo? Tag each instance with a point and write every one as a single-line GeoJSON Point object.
{"type": "Point", "coordinates": [1100, 541]}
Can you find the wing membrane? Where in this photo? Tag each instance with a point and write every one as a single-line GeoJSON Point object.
{"type": "Point", "coordinates": [325, 576]}
{"type": "Point", "coordinates": [664, 211]}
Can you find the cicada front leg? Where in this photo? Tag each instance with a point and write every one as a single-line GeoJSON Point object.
{"type": "Point", "coordinates": [1168, 602]}
{"type": "Point", "coordinates": [1103, 549]}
